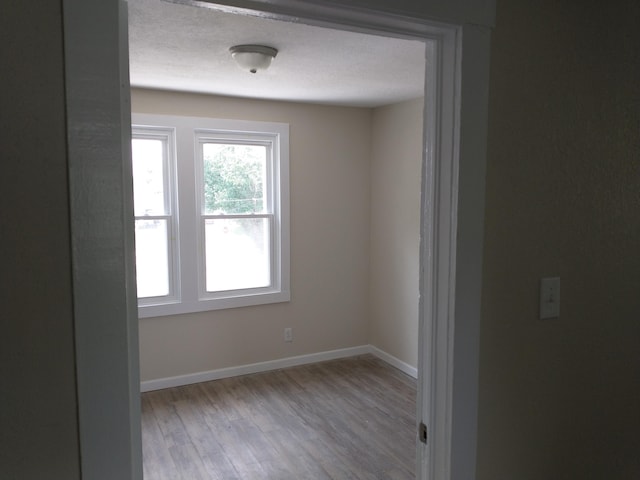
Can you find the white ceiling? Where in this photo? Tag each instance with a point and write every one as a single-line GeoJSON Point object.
{"type": "Point", "coordinates": [185, 48]}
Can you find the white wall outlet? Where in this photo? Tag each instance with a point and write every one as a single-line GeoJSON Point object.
{"type": "Point", "coordinates": [288, 334]}
{"type": "Point", "coordinates": [550, 297]}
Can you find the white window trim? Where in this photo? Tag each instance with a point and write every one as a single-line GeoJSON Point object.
{"type": "Point", "coordinates": [191, 298]}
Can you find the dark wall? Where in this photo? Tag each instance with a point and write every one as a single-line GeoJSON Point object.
{"type": "Point", "coordinates": [38, 420]}
{"type": "Point", "coordinates": [560, 399]}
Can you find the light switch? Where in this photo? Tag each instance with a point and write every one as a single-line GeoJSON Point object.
{"type": "Point", "coordinates": [550, 297]}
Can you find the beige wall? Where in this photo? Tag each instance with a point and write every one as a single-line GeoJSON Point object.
{"type": "Point", "coordinates": [329, 178]}
{"type": "Point", "coordinates": [38, 408]}
{"type": "Point", "coordinates": [560, 399]}
{"type": "Point", "coordinates": [346, 163]}
{"type": "Point", "coordinates": [395, 229]}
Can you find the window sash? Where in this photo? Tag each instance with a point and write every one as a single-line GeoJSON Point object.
{"type": "Point", "coordinates": [271, 187]}
{"type": "Point", "coordinates": [166, 135]}
{"type": "Point", "coordinates": [271, 252]}
{"type": "Point", "coordinates": [170, 254]}
{"type": "Point", "coordinates": [271, 184]}
{"type": "Point", "coordinates": [208, 137]}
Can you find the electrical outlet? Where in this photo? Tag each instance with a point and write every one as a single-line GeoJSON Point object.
{"type": "Point", "coordinates": [288, 334]}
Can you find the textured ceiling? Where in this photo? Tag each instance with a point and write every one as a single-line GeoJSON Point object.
{"type": "Point", "coordinates": [185, 48]}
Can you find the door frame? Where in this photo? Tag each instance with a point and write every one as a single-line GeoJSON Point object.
{"type": "Point", "coordinates": [452, 212]}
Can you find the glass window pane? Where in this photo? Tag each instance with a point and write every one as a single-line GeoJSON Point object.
{"type": "Point", "coordinates": [234, 178]}
{"type": "Point", "coordinates": [237, 253]}
{"type": "Point", "coordinates": [148, 176]}
{"type": "Point", "coordinates": [152, 258]}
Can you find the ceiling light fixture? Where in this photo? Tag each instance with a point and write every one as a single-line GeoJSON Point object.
{"type": "Point", "coordinates": [253, 57]}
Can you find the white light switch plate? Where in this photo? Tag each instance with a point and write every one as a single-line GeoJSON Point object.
{"type": "Point", "coordinates": [550, 297]}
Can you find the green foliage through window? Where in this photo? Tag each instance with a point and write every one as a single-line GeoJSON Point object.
{"type": "Point", "coordinates": [234, 177]}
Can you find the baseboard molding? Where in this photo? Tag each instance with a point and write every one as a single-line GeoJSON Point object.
{"type": "Point", "coordinates": [207, 376]}
{"type": "Point", "coordinates": [393, 361]}
{"type": "Point", "coordinates": [180, 380]}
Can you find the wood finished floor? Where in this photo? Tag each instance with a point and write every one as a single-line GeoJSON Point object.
{"type": "Point", "coordinates": [343, 419]}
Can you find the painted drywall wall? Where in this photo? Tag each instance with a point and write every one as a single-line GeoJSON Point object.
{"type": "Point", "coordinates": [329, 181]}
{"type": "Point", "coordinates": [559, 398]}
{"type": "Point", "coordinates": [396, 159]}
{"type": "Point", "coordinates": [39, 428]}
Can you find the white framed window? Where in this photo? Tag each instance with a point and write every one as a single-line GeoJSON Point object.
{"type": "Point", "coordinates": [156, 224]}
{"type": "Point", "coordinates": [229, 243]}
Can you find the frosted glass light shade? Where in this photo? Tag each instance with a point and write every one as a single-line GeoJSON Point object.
{"type": "Point", "coordinates": [253, 57]}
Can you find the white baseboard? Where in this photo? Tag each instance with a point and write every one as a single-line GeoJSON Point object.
{"type": "Point", "coordinates": [188, 379]}
{"type": "Point", "coordinates": [393, 361]}
{"type": "Point", "coordinates": [207, 376]}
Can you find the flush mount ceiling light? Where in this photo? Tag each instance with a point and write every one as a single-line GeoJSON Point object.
{"type": "Point", "coordinates": [253, 57]}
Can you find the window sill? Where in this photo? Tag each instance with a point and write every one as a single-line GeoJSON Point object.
{"type": "Point", "coordinates": [179, 308]}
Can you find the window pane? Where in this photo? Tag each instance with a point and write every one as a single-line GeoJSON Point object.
{"type": "Point", "coordinates": [237, 253]}
{"type": "Point", "coordinates": [152, 258]}
{"type": "Point", "coordinates": [234, 178]}
{"type": "Point", "coordinates": [148, 176]}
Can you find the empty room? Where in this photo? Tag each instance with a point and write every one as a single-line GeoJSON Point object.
{"type": "Point", "coordinates": [279, 312]}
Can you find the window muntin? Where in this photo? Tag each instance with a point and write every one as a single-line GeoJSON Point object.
{"type": "Point", "coordinates": [229, 250]}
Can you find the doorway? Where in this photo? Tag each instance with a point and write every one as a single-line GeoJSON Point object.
{"type": "Point", "coordinates": [99, 408]}
{"type": "Point", "coordinates": [388, 124]}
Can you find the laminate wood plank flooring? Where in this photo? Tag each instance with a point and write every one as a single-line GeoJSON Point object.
{"type": "Point", "coordinates": [345, 419]}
